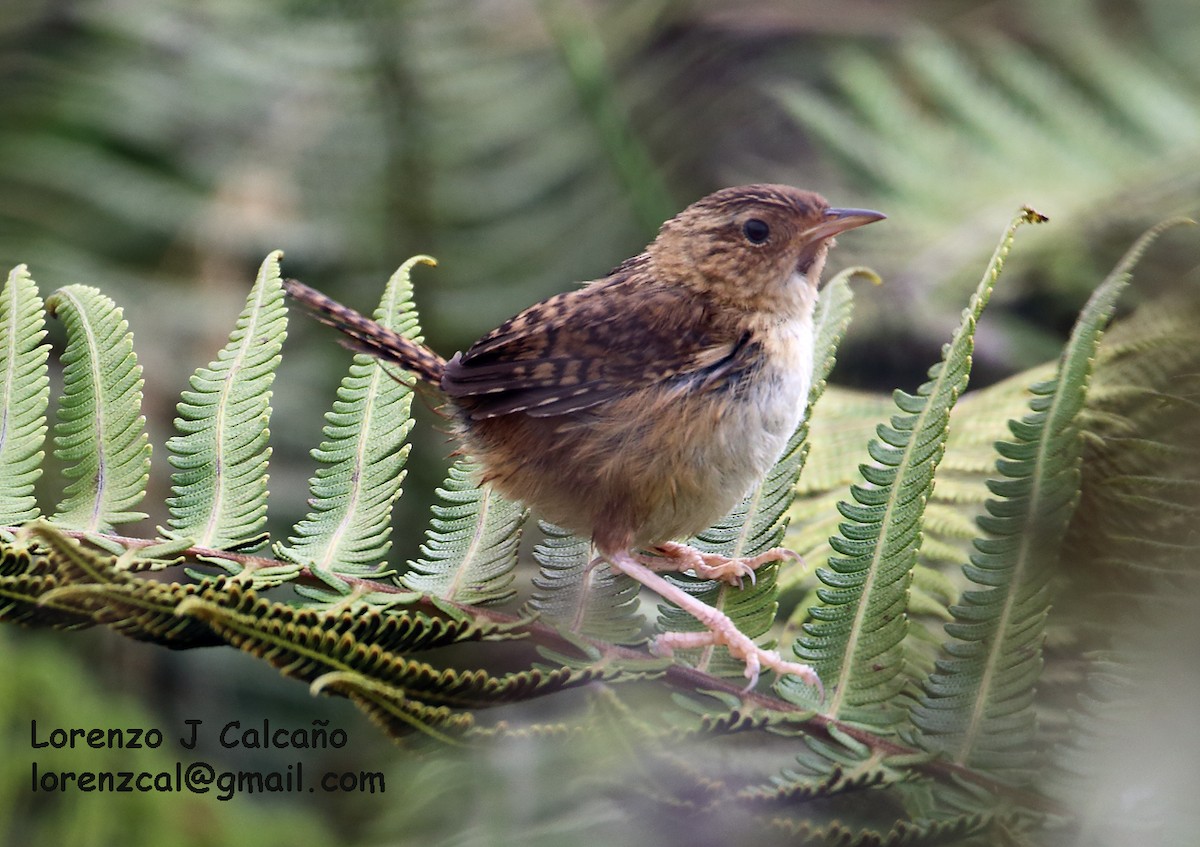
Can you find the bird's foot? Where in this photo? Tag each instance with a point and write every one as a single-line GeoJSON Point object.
{"type": "Point", "coordinates": [721, 630]}
{"type": "Point", "coordinates": [675, 557]}
{"type": "Point", "coordinates": [741, 647]}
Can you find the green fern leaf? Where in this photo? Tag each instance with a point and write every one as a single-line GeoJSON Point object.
{"type": "Point", "coordinates": [322, 647]}
{"type": "Point", "coordinates": [793, 789]}
{"type": "Point", "coordinates": [18, 558]}
{"type": "Point", "coordinates": [99, 430]}
{"type": "Point", "coordinates": [974, 828]}
{"type": "Point", "coordinates": [21, 603]}
{"type": "Point", "coordinates": [855, 638]}
{"type": "Point", "coordinates": [362, 457]}
{"type": "Point", "coordinates": [306, 643]}
{"type": "Point", "coordinates": [27, 576]}
{"type": "Point", "coordinates": [391, 710]}
{"type": "Point", "coordinates": [470, 548]}
{"type": "Point", "coordinates": [846, 421]}
{"type": "Point", "coordinates": [33, 600]}
{"type": "Point", "coordinates": [999, 105]}
{"type": "Point", "coordinates": [590, 601]}
{"type": "Point", "coordinates": [1134, 528]}
{"type": "Point", "coordinates": [715, 715]}
{"type": "Point", "coordinates": [299, 648]}
{"type": "Point", "coordinates": [977, 706]}
{"type": "Point", "coordinates": [140, 609]}
{"type": "Point", "coordinates": [91, 586]}
{"type": "Point", "coordinates": [759, 522]}
{"type": "Point", "coordinates": [96, 583]}
{"type": "Point", "coordinates": [219, 489]}
{"type": "Point", "coordinates": [24, 396]}
{"type": "Point", "coordinates": [480, 689]}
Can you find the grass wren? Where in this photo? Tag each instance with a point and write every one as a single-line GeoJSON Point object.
{"type": "Point", "coordinates": [640, 408]}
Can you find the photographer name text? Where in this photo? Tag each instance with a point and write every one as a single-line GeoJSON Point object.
{"type": "Point", "coordinates": [260, 736]}
{"type": "Point", "coordinates": [197, 777]}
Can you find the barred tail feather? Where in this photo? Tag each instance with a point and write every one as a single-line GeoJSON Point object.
{"type": "Point", "coordinates": [367, 336]}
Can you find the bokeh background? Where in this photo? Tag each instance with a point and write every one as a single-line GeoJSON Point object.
{"type": "Point", "coordinates": [160, 149]}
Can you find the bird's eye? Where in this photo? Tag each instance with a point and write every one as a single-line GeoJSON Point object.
{"type": "Point", "coordinates": [756, 231]}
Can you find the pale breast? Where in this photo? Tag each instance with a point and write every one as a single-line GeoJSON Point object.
{"type": "Point", "coordinates": [755, 432]}
{"type": "Point", "coordinates": [723, 449]}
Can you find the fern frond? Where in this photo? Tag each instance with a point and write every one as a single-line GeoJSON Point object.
{"type": "Point", "coordinates": [306, 646]}
{"type": "Point", "coordinates": [99, 430]}
{"type": "Point", "coordinates": [38, 600]}
{"type": "Point", "coordinates": [954, 830]}
{"type": "Point", "coordinates": [977, 706]}
{"type": "Point", "coordinates": [17, 558]}
{"type": "Point", "coordinates": [391, 710]}
{"type": "Point", "coordinates": [362, 457]}
{"type": "Point", "coordinates": [24, 396]}
{"type": "Point", "coordinates": [471, 546]}
{"type": "Point", "coordinates": [844, 423]}
{"type": "Point", "coordinates": [590, 601]}
{"type": "Point", "coordinates": [27, 576]}
{"type": "Point", "coordinates": [1135, 524]}
{"type": "Point", "coordinates": [219, 489]}
{"type": "Point", "coordinates": [997, 105]}
{"type": "Point", "coordinates": [716, 715]}
{"type": "Point", "coordinates": [323, 647]}
{"type": "Point", "coordinates": [21, 603]}
{"type": "Point", "coordinates": [92, 586]}
{"type": "Point", "coordinates": [398, 709]}
{"type": "Point", "coordinates": [349, 639]}
{"type": "Point", "coordinates": [794, 788]}
{"type": "Point", "coordinates": [855, 638]}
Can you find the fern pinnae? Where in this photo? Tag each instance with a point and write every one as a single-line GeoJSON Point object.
{"type": "Point", "coordinates": [219, 489]}
{"type": "Point", "coordinates": [99, 430]}
{"type": "Point", "coordinates": [24, 396]}
{"type": "Point", "coordinates": [471, 546]}
{"type": "Point", "coordinates": [977, 705]}
{"type": "Point", "coordinates": [1053, 100]}
{"type": "Point", "coordinates": [390, 709]}
{"type": "Point", "coordinates": [363, 454]}
{"type": "Point", "coordinates": [585, 600]}
{"type": "Point", "coordinates": [855, 638]}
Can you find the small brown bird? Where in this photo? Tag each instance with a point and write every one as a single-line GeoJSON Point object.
{"type": "Point", "coordinates": [642, 407]}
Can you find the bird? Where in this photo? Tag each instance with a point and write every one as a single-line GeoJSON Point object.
{"type": "Point", "coordinates": [639, 408]}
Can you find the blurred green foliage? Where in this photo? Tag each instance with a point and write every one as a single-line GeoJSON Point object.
{"type": "Point", "coordinates": [43, 683]}
{"type": "Point", "coordinates": [159, 150]}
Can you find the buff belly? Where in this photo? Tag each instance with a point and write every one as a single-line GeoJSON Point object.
{"type": "Point", "coordinates": [652, 466]}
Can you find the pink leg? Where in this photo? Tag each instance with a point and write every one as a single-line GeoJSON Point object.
{"type": "Point", "coordinates": [721, 630]}
{"type": "Point", "coordinates": [675, 557]}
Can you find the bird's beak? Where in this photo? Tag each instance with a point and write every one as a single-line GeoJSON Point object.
{"type": "Point", "coordinates": [840, 220]}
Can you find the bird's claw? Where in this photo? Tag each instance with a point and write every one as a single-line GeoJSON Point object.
{"type": "Point", "coordinates": [733, 570]}
{"type": "Point", "coordinates": [742, 648]}
{"type": "Point", "coordinates": [719, 629]}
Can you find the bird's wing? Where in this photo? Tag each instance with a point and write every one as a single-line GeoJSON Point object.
{"type": "Point", "coordinates": [581, 348]}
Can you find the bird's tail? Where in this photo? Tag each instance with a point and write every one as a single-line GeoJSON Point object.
{"type": "Point", "coordinates": [368, 336]}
